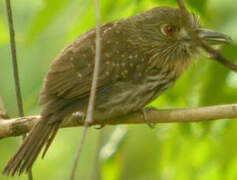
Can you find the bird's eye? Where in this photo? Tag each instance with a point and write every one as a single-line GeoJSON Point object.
{"type": "Point", "coordinates": [168, 29]}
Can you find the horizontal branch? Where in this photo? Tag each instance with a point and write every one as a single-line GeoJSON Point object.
{"type": "Point", "coordinates": [19, 126]}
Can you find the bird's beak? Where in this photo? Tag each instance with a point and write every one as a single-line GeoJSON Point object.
{"type": "Point", "coordinates": [212, 37]}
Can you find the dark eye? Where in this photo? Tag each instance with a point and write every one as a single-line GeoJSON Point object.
{"type": "Point", "coordinates": [168, 30]}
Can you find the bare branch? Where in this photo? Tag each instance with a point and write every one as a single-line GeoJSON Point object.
{"type": "Point", "coordinates": [101, 140]}
{"type": "Point", "coordinates": [15, 66]}
{"type": "Point", "coordinates": [19, 126]}
{"type": "Point", "coordinates": [14, 58]}
{"type": "Point", "coordinates": [215, 54]}
{"type": "Point", "coordinates": [182, 6]}
{"type": "Point", "coordinates": [90, 109]}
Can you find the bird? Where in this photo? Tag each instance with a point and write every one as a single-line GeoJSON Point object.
{"type": "Point", "coordinates": [141, 57]}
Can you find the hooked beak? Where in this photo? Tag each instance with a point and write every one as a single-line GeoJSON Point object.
{"type": "Point", "coordinates": [212, 37]}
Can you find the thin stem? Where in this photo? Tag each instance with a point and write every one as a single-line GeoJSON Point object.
{"type": "Point", "coordinates": [14, 58]}
{"type": "Point", "coordinates": [215, 54]}
{"type": "Point", "coordinates": [97, 164]}
{"type": "Point", "coordinates": [182, 5]}
{"type": "Point", "coordinates": [90, 109]}
{"type": "Point", "coordinates": [15, 66]}
{"type": "Point", "coordinates": [81, 142]}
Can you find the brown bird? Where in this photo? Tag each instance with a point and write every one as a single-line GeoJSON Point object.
{"type": "Point", "coordinates": [141, 57]}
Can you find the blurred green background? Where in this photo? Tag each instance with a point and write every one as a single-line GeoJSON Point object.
{"type": "Point", "coordinates": [170, 151]}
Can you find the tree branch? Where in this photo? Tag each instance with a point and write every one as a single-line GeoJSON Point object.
{"type": "Point", "coordinates": [14, 58]}
{"type": "Point", "coordinates": [22, 125]}
{"type": "Point", "coordinates": [90, 108]}
{"type": "Point", "coordinates": [15, 67]}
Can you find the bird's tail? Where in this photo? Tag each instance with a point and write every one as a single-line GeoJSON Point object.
{"type": "Point", "coordinates": [41, 135]}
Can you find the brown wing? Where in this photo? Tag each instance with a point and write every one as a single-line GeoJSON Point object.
{"type": "Point", "coordinates": [70, 75]}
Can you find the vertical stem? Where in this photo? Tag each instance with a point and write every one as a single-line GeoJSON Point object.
{"type": "Point", "coordinates": [75, 163]}
{"type": "Point", "coordinates": [90, 109]}
{"type": "Point", "coordinates": [15, 66]}
{"type": "Point", "coordinates": [14, 59]}
{"type": "Point", "coordinates": [182, 6]}
{"type": "Point", "coordinates": [97, 164]}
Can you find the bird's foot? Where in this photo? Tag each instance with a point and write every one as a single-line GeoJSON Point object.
{"type": "Point", "coordinates": [78, 116]}
{"type": "Point", "coordinates": [144, 111]}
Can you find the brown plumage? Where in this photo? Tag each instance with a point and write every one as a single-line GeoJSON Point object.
{"type": "Point", "coordinates": [142, 56]}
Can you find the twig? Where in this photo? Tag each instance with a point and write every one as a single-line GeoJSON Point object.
{"type": "Point", "coordinates": [15, 66]}
{"type": "Point", "coordinates": [215, 54]}
{"type": "Point", "coordinates": [90, 109]}
{"type": "Point", "coordinates": [74, 167]}
{"type": "Point", "coordinates": [96, 174]}
{"type": "Point", "coordinates": [14, 59]}
{"type": "Point", "coordinates": [182, 6]}
{"type": "Point", "coordinates": [19, 126]}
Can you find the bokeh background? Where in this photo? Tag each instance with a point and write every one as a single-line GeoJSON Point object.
{"type": "Point", "coordinates": [200, 151]}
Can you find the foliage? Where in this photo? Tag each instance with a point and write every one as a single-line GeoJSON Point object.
{"type": "Point", "coordinates": [170, 151]}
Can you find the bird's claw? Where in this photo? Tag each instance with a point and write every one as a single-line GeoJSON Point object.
{"type": "Point", "coordinates": [150, 124]}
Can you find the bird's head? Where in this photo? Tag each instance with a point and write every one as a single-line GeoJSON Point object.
{"type": "Point", "coordinates": [163, 33]}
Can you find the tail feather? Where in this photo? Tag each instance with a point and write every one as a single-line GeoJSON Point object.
{"type": "Point", "coordinates": [32, 153]}
{"type": "Point", "coordinates": [42, 134]}
{"type": "Point", "coordinates": [50, 140]}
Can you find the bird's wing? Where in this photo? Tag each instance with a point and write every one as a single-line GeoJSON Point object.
{"type": "Point", "coordinates": [71, 74]}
